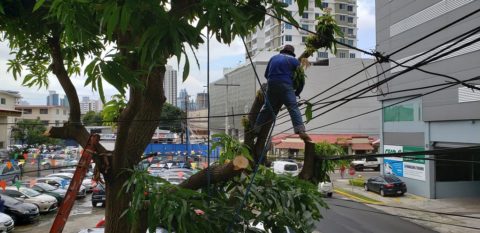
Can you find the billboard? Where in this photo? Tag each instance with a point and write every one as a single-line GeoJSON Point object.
{"type": "Point", "coordinates": [412, 167]}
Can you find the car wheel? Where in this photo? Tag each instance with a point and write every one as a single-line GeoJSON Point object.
{"type": "Point", "coordinates": [359, 168]}
{"type": "Point", "coordinates": [94, 204]}
{"type": "Point", "coordinates": [377, 168]}
{"type": "Point", "coordinates": [366, 187]}
{"type": "Point", "coordinates": [382, 193]}
{"type": "Point", "coordinates": [329, 194]}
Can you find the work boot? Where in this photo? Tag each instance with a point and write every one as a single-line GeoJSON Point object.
{"type": "Point", "coordinates": [304, 136]}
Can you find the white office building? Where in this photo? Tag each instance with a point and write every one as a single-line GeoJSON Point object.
{"type": "Point", "coordinates": [275, 34]}
{"type": "Point", "coordinates": [170, 85]}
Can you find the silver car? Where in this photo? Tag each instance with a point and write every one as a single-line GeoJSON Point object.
{"type": "Point", "coordinates": [6, 223]}
{"type": "Point", "coordinates": [87, 182]}
{"type": "Point", "coordinates": [45, 203]}
{"type": "Point", "coordinates": [57, 182]}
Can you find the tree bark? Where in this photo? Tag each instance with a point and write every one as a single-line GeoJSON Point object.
{"type": "Point", "coordinates": [218, 174]}
{"type": "Point", "coordinates": [308, 169]}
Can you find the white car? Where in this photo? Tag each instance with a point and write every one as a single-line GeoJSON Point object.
{"type": "Point", "coordinates": [45, 203]}
{"type": "Point", "coordinates": [285, 167]}
{"type": "Point", "coordinates": [6, 223]}
{"type": "Point", "coordinates": [87, 182]}
{"type": "Point", "coordinates": [57, 182]}
{"type": "Point", "coordinates": [326, 188]}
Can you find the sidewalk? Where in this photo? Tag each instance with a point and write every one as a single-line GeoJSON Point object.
{"type": "Point", "coordinates": [464, 206]}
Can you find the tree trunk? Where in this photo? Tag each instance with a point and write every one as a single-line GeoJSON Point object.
{"type": "Point", "coordinates": [308, 169]}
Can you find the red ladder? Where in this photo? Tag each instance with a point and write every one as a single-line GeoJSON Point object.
{"type": "Point", "coordinates": [78, 176]}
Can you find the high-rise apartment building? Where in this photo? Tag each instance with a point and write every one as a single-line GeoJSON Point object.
{"type": "Point", "coordinates": [275, 34]}
{"type": "Point", "coordinates": [87, 105]}
{"type": "Point", "coordinates": [202, 101]}
{"type": "Point", "coordinates": [53, 99]}
{"type": "Point", "coordinates": [170, 85]}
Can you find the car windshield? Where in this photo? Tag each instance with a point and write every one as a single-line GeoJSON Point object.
{"type": "Point", "coordinates": [29, 192]}
{"type": "Point", "coordinates": [290, 167]}
{"type": "Point", "coordinates": [392, 179]}
{"type": "Point", "coordinates": [46, 187]}
{"type": "Point", "coordinates": [10, 200]}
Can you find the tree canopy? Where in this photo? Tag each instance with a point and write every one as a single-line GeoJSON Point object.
{"type": "Point", "coordinates": [60, 37]}
{"type": "Point", "coordinates": [31, 132]}
{"type": "Point", "coordinates": [92, 118]}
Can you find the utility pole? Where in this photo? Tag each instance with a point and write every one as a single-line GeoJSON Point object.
{"type": "Point", "coordinates": [187, 132]}
{"type": "Point", "coordinates": [226, 85]}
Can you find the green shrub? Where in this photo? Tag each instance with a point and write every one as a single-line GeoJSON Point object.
{"type": "Point", "coordinates": [357, 182]}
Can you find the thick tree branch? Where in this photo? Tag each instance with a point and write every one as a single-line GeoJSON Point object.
{"type": "Point", "coordinates": [58, 68]}
{"type": "Point", "coordinates": [308, 170]}
{"type": "Point", "coordinates": [218, 174]}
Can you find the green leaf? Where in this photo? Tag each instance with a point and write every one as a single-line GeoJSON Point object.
{"type": "Point", "coordinates": [186, 68]}
{"type": "Point", "coordinates": [38, 4]}
{"type": "Point", "coordinates": [1, 9]}
{"type": "Point", "coordinates": [308, 111]}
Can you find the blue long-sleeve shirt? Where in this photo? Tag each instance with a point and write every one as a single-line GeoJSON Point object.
{"type": "Point", "coordinates": [280, 68]}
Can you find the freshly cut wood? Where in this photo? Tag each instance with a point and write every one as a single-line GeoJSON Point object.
{"type": "Point", "coordinates": [217, 173]}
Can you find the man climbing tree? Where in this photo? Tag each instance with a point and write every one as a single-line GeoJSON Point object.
{"type": "Point", "coordinates": [281, 91]}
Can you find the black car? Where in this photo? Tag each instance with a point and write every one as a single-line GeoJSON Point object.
{"type": "Point", "coordinates": [53, 191]}
{"type": "Point", "coordinates": [386, 185]}
{"type": "Point", "coordinates": [98, 194]}
{"type": "Point", "coordinates": [20, 211]}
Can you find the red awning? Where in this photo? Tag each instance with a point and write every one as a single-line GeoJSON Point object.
{"type": "Point", "coordinates": [290, 145]}
{"type": "Point", "coordinates": [362, 146]}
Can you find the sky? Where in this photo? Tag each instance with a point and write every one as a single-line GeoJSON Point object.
{"type": "Point", "coordinates": [221, 56]}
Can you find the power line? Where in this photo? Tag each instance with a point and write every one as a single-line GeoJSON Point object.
{"type": "Point", "coordinates": [407, 217]}
{"type": "Point", "coordinates": [406, 208]}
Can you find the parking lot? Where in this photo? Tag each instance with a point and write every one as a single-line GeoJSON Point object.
{"type": "Point", "coordinates": [83, 215]}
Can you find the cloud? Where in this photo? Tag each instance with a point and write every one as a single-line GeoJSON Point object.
{"type": "Point", "coordinates": [366, 24]}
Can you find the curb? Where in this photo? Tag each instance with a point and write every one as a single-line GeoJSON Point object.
{"type": "Point", "coordinates": [357, 198]}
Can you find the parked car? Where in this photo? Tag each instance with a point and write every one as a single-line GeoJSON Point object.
{"type": "Point", "coordinates": [58, 162]}
{"type": "Point", "coordinates": [72, 170]}
{"type": "Point", "coordinates": [6, 223]}
{"type": "Point", "coordinates": [45, 203]}
{"type": "Point", "coordinates": [285, 167]}
{"type": "Point", "coordinates": [326, 188]}
{"type": "Point", "coordinates": [87, 182]}
{"type": "Point", "coordinates": [57, 182]}
{"type": "Point", "coordinates": [53, 191]}
{"type": "Point", "coordinates": [98, 194]}
{"type": "Point", "coordinates": [9, 174]}
{"type": "Point", "coordinates": [360, 164]}
{"type": "Point", "coordinates": [386, 185]}
{"type": "Point", "coordinates": [20, 211]}
{"type": "Point", "coordinates": [176, 171]}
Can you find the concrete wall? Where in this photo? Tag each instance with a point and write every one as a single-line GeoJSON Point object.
{"type": "Point", "coordinates": [451, 189]}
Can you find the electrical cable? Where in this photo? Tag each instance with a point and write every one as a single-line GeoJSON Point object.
{"type": "Point", "coordinates": [407, 217]}
{"type": "Point", "coordinates": [406, 208]}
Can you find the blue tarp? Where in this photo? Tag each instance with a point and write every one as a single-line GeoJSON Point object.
{"type": "Point", "coordinates": [181, 149]}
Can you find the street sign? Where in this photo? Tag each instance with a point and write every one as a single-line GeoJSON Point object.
{"type": "Point", "coordinates": [351, 171]}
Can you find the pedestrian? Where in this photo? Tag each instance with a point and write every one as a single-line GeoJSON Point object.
{"type": "Point", "coordinates": [280, 91]}
{"type": "Point", "coordinates": [342, 171]}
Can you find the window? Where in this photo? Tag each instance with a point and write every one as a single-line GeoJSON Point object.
{"type": "Point", "coordinates": [317, 15]}
{"type": "Point", "coordinates": [350, 19]}
{"type": "Point", "coordinates": [27, 111]}
{"type": "Point", "coordinates": [350, 31]}
{"type": "Point", "coordinates": [288, 26]}
{"type": "Point", "coordinates": [43, 111]}
{"type": "Point", "coordinates": [45, 122]}
{"type": "Point", "coordinates": [342, 17]}
{"type": "Point", "coordinates": [457, 171]}
{"type": "Point", "coordinates": [304, 39]}
{"type": "Point", "coordinates": [323, 54]}
{"type": "Point", "coordinates": [342, 29]}
{"type": "Point", "coordinates": [350, 42]}
{"type": "Point", "coordinates": [289, 2]}
{"type": "Point", "coordinates": [305, 15]}
{"type": "Point", "coordinates": [349, 8]}
{"type": "Point", "coordinates": [324, 4]}
{"type": "Point", "coordinates": [352, 55]}
{"type": "Point", "coordinates": [342, 55]}
{"type": "Point", "coordinates": [288, 38]}
{"type": "Point", "coordinates": [341, 6]}
{"type": "Point", "coordinates": [305, 26]}
{"type": "Point", "coordinates": [402, 112]}
{"type": "Point", "coordinates": [64, 112]}
{"type": "Point", "coordinates": [58, 111]}
{"type": "Point", "coordinates": [3, 101]}
{"type": "Point", "coordinates": [57, 123]}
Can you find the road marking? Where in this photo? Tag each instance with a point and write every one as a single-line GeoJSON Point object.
{"type": "Point", "coordinates": [357, 198]}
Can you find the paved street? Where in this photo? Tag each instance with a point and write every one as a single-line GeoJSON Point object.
{"type": "Point", "coordinates": [349, 217]}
